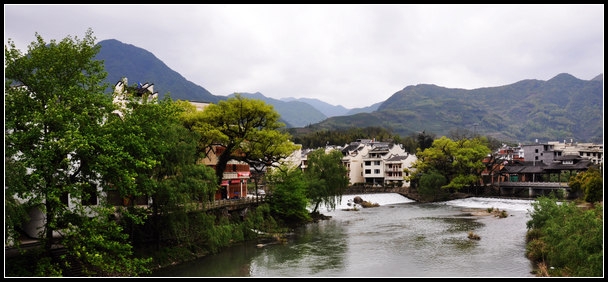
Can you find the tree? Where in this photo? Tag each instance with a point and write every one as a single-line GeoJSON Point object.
{"type": "Point", "coordinates": [288, 201]}
{"type": "Point", "coordinates": [247, 129]}
{"type": "Point", "coordinates": [430, 185]}
{"type": "Point", "coordinates": [327, 178]}
{"type": "Point", "coordinates": [460, 162]}
{"type": "Point", "coordinates": [55, 108]}
{"type": "Point", "coordinates": [589, 182]}
{"type": "Point", "coordinates": [425, 140]}
{"type": "Point", "coordinates": [158, 161]}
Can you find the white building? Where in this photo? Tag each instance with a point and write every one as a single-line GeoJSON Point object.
{"type": "Point", "coordinates": [377, 163]}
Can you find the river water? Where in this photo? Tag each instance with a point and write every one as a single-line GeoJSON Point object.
{"type": "Point", "coordinates": [399, 238]}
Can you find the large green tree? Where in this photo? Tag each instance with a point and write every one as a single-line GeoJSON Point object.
{"type": "Point", "coordinates": [460, 162]}
{"type": "Point", "coordinates": [55, 108]}
{"type": "Point", "coordinates": [156, 158]}
{"type": "Point", "coordinates": [248, 129]}
{"type": "Point", "coordinates": [327, 178]}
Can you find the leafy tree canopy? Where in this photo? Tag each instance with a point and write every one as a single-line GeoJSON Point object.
{"type": "Point", "coordinates": [248, 129]}
{"type": "Point", "coordinates": [327, 178]}
{"type": "Point", "coordinates": [460, 162]}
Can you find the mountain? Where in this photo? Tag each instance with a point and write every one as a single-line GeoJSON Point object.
{"type": "Point", "coordinates": [327, 109]}
{"type": "Point", "coordinates": [293, 113]}
{"type": "Point", "coordinates": [138, 65]}
{"type": "Point", "coordinates": [561, 108]}
{"type": "Point", "coordinates": [369, 109]}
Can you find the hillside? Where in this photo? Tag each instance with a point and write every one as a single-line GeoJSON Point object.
{"type": "Point", "coordinates": [561, 108]}
{"type": "Point", "coordinates": [138, 65]}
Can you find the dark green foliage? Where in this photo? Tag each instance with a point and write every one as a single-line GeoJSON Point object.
{"type": "Point", "coordinates": [309, 138]}
{"type": "Point", "coordinates": [430, 186]}
{"type": "Point", "coordinates": [288, 200]}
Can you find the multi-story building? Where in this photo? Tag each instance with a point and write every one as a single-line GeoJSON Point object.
{"type": "Point", "coordinates": [539, 161]}
{"type": "Point", "coordinates": [553, 150]}
{"type": "Point", "coordinates": [367, 162]}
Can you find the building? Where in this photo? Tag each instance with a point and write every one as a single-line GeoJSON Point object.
{"type": "Point", "coordinates": [368, 162]}
{"type": "Point", "coordinates": [541, 162]}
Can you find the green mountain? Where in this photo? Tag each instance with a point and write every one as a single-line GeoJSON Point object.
{"type": "Point", "coordinates": [561, 108]}
{"type": "Point", "coordinates": [138, 65]}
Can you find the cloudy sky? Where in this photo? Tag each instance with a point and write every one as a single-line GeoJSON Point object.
{"type": "Point", "coordinates": [349, 55]}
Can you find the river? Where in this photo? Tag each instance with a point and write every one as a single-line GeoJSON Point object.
{"type": "Point", "coordinates": [399, 238]}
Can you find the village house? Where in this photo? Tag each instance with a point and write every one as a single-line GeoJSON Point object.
{"type": "Point", "coordinates": [368, 162]}
{"type": "Point", "coordinates": [541, 162]}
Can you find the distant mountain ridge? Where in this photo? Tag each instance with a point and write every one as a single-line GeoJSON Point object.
{"type": "Point", "coordinates": [563, 107]}
{"type": "Point", "coordinates": [138, 65]}
{"type": "Point", "coordinates": [293, 113]}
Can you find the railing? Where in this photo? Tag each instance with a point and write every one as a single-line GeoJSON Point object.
{"type": "Point", "coordinates": [233, 203]}
{"type": "Point", "coordinates": [533, 184]}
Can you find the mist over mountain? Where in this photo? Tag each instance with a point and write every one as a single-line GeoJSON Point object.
{"type": "Point", "coordinates": [561, 108]}
{"type": "Point", "coordinates": [327, 109]}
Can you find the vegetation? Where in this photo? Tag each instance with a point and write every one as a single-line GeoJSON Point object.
{"type": "Point", "coordinates": [522, 111]}
{"type": "Point", "coordinates": [248, 129]}
{"type": "Point", "coordinates": [55, 145]}
{"type": "Point", "coordinates": [448, 166]}
{"type": "Point", "coordinates": [288, 200]}
{"type": "Point", "coordinates": [69, 149]}
{"type": "Point", "coordinates": [66, 152]}
{"type": "Point", "coordinates": [590, 183]}
{"type": "Point", "coordinates": [312, 139]}
{"type": "Point", "coordinates": [327, 178]}
{"type": "Point", "coordinates": [564, 239]}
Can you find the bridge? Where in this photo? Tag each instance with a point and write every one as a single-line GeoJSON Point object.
{"type": "Point", "coordinates": [234, 204]}
{"type": "Point", "coordinates": [531, 189]}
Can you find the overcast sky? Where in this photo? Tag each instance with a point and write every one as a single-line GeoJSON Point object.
{"type": "Point", "coordinates": [349, 55]}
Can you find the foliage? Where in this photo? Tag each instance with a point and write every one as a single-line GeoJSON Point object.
{"type": "Point", "coordinates": [55, 111]}
{"type": "Point", "coordinates": [156, 158]}
{"type": "Point", "coordinates": [248, 129]}
{"type": "Point", "coordinates": [566, 237]}
{"type": "Point", "coordinates": [430, 186]}
{"type": "Point", "coordinates": [288, 200]}
{"type": "Point", "coordinates": [460, 162]}
{"type": "Point", "coordinates": [99, 243]}
{"type": "Point", "coordinates": [589, 182]}
{"type": "Point", "coordinates": [327, 178]}
{"type": "Point", "coordinates": [311, 139]}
